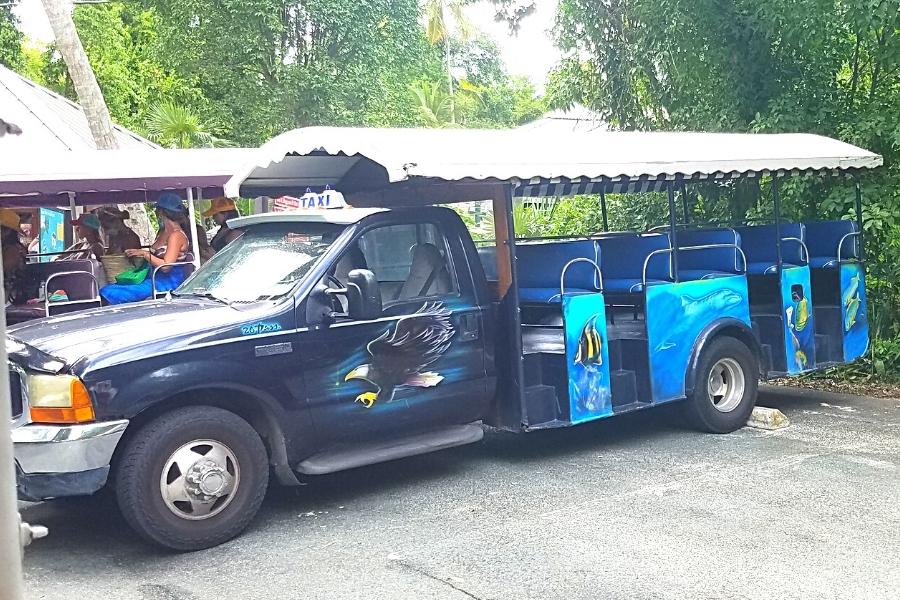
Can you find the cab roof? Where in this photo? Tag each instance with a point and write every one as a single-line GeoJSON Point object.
{"type": "Point", "coordinates": [397, 167]}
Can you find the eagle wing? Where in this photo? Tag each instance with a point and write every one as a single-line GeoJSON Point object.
{"type": "Point", "coordinates": [415, 342]}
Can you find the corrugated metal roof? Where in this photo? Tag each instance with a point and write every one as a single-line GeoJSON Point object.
{"type": "Point", "coordinates": [49, 121]}
{"type": "Point", "coordinates": [423, 161]}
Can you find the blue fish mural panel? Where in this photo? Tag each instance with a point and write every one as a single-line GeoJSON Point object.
{"type": "Point", "coordinates": [676, 314]}
{"type": "Point", "coordinates": [797, 315]}
{"type": "Point", "coordinates": [587, 357]}
{"type": "Point", "coordinates": [853, 310]}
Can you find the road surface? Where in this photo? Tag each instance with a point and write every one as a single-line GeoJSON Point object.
{"type": "Point", "coordinates": [635, 508]}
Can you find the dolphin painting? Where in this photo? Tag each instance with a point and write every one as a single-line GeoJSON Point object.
{"type": "Point", "coordinates": [694, 310]}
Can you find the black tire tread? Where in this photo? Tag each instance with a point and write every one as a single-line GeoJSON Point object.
{"type": "Point", "coordinates": [140, 451]}
{"type": "Point", "coordinates": [699, 411]}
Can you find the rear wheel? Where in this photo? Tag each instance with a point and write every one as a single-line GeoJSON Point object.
{"type": "Point", "coordinates": [725, 389]}
{"type": "Point", "coordinates": [192, 478]}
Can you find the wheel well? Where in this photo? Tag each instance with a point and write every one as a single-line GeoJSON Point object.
{"type": "Point", "coordinates": [243, 404]}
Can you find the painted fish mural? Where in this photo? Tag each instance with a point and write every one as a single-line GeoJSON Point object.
{"type": "Point", "coordinates": [694, 309]}
{"type": "Point", "coordinates": [852, 303]}
{"type": "Point", "coordinates": [799, 330]}
{"type": "Point", "coordinates": [590, 345]}
{"type": "Point", "coordinates": [402, 353]}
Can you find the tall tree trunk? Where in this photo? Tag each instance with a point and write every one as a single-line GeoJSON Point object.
{"type": "Point", "coordinates": [59, 13]}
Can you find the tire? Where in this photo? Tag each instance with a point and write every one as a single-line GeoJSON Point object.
{"type": "Point", "coordinates": [215, 470]}
{"type": "Point", "coordinates": [725, 389]}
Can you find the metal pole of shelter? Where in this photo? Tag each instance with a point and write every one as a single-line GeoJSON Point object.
{"type": "Point", "coordinates": [776, 201]}
{"type": "Point", "coordinates": [673, 230]}
{"type": "Point", "coordinates": [859, 223]}
{"type": "Point", "coordinates": [10, 541]}
{"type": "Point", "coordinates": [512, 299]}
{"type": "Point", "coordinates": [603, 210]}
{"type": "Point", "coordinates": [195, 249]}
{"type": "Point", "coordinates": [684, 204]}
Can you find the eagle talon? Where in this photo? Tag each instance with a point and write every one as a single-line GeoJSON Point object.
{"type": "Point", "coordinates": [367, 399]}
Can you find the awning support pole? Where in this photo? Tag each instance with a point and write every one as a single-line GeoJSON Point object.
{"type": "Point", "coordinates": [776, 201]}
{"type": "Point", "coordinates": [10, 544]}
{"type": "Point", "coordinates": [673, 231]}
{"type": "Point", "coordinates": [603, 210]}
{"type": "Point", "coordinates": [195, 249]}
{"type": "Point", "coordinates": [859, 221]}
{"type": "Point", "coordinates": [684, 204]}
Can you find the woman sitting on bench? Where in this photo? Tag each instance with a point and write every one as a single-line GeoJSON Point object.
{"type": "Point", "coordinates": [171, 246]}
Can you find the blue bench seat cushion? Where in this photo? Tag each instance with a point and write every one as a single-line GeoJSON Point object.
{"type": "Point", "coordinates": [548, 295]}
{"type": "Point", "coordinates": [766, 267]}
{"type": "Point", "coordinates": [695, 274]}
{"type": "Point", "coordinates": [628, 285]}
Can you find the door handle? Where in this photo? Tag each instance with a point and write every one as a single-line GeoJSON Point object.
{"type": "Point", "coordinates": [470, 329]}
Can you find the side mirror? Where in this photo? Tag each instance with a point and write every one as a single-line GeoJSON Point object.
{"type": "Point", "coordinates": [319, 307]}
{"type": "Point", "coordinates": [363, 295]}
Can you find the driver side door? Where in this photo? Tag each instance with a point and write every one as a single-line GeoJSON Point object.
{"type": "Point", "coordinates": [420, 365]}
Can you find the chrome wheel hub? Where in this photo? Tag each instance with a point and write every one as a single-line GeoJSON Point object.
{"type": "Point", "coordinates": [199, 479]}
{"type": "Point", "coordinates": [726, 385]}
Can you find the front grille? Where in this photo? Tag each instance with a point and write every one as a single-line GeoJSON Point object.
{"type": "Point", "coordinates": [15, 393]}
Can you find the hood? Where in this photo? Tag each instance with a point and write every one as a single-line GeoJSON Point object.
{"type": "Point", "coordinates": [115, 334]}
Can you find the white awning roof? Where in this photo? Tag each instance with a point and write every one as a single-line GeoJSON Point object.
{"type": "Point", "coordinates": [113, 176]}
{"type": "Point", "coordinates": [388, 166]}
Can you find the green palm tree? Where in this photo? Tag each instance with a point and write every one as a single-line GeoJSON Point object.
{"type": "Point", "coordinates": [442, 17]}
{"type": "Point", "coordinates": [433, 103]}
{"type": "Point", "coordinates": [176, 126]}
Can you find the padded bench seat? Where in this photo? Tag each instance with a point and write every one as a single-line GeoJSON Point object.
{"type": "Point", "coordinates": [824, 243]}
{"type": "Point", "coordinates": [760, 245]}
{"type": "Point", "coordinates": [540, 266]}
{"type": "Point", "coordinates": [628, 285]}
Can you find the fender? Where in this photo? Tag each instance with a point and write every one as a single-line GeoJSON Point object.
{"type": "Point", "coordinates": [726, 326]}
{"type": "Point", "coordinates": [118, 393]}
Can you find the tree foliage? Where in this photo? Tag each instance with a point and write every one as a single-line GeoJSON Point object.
{"type": "Point", "coordinates": [10, 39]}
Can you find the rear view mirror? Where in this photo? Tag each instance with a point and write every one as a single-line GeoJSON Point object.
{"type": "Point", "coordinates": [363, 295]}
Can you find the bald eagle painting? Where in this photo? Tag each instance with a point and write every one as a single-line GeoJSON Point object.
{"type": "Point", "coordinates": [401, 355]}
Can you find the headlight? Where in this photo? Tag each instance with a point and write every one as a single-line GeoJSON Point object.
{"type": "Point", "coordinates": [58, 399]}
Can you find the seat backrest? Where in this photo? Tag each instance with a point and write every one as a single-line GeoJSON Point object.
{"type": "Point", "coordinates": [727, 260]}
{"type": "Point", "coordinates": [37, 273]}
{"type": "Point", "coordinates": [824, 237]}
{"type": "Point", "coordinates": [488, 257]}
{"type": "Point", "coordinates": [758, 243]}
{"type": "Point", "coordinates": [428, 274]}
{"type": "Point", "coordinates": [539, 265]}
{"type": "Point", "coordinates": [624, 256]}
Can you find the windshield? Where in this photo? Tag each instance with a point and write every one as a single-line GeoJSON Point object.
{"type": "Point", "coordinates": [265, 263]}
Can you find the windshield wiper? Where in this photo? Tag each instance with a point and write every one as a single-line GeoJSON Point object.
{"type": "Point", "coordinates": [205, 294]}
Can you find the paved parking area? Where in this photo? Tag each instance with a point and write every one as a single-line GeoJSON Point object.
{"type": "Point", "coordinates": [633, 508]}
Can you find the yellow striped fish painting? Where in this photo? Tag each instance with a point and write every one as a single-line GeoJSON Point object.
{"type": "Point", "coordinates": [590, 345]}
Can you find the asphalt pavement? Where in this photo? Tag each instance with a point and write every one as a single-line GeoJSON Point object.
{"type": "Point", "coordinates": [636, 507]}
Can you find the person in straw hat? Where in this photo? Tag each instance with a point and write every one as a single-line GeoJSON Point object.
{"type": "Point", "coordinates": [13, 257]}
{"type": "Point", "coordinates": [222, 210]}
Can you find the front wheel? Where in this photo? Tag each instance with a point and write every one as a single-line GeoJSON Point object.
{"type": "Point", "coordinates": [725, 389]}
{"type": "Point", "coordinates": [192, 478]}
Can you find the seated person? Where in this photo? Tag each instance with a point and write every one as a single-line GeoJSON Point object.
{"type": "Point", "coordinates": [89, 246]}
{"type": "Point", "coordinates": [13, 258]}
{"type": "Point", "coordinates": [119, 237]}
{"type": "Point", "coordinates": [221, 210]}
{"type": "Point", "coordinates": [171, 245]}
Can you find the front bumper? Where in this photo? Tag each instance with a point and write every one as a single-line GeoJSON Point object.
{"type": "Point", "coordinates": [64, 460]}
